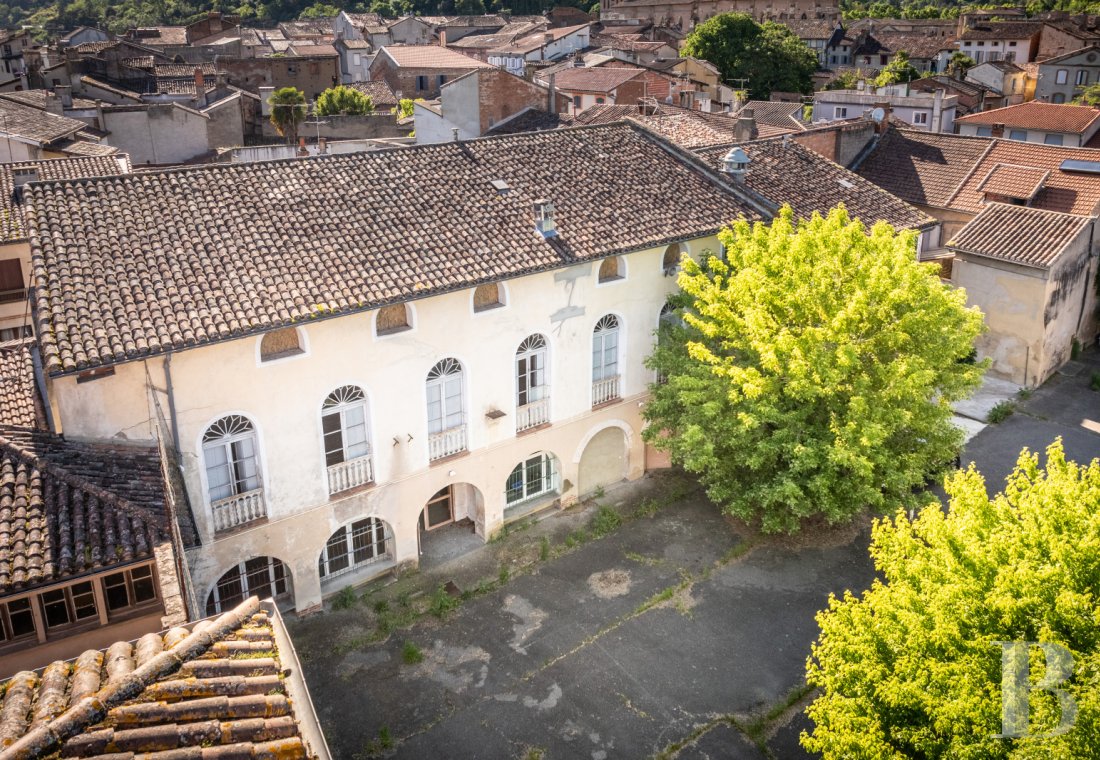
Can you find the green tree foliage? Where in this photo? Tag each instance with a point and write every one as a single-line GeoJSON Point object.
{"type": "Point", "coordinates": [898, 71]}
{"type": "Point", "coordinates": [959, 64]}
{"type": "Point", "coordinates": [815, 370]}
{"type": "Point", "coordinates": [404, 109]}
{"type": "Point", "coordinates": [1089, 96]}
{"type": "Point", "coordinates": [343, 101]}
{"type": "Point", "coordinates": [288, 110]}
{"type": "Point", "coordinates": [319, 10]}
{"type": "Point", "coordinates": [469, 7]}
{"type": "Point", "coordinates": [911, 668]}
{"type": "Point", "coordinates": [769, 56]}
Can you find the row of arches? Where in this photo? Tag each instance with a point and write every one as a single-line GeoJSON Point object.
{"type": "Point", "coordinates": [369, 541]}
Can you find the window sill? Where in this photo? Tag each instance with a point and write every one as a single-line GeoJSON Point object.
{"type": "Point", "coordinates": [337, 495]}
{"type": "Point", "coordinates": [450, 457]}
{"type": "Point", "coordinates": [605, 404]}
{"type": "Point", "coordinates": [534, 429]}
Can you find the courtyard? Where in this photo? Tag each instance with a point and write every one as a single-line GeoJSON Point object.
{"type": "Point", "coordinates": [642, 624]}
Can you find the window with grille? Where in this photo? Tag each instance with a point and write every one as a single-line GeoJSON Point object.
{"type": "Point", "coordinates": [605, 348]}
{"type": "Point", "coordinates": [344, 425]}
{"type": "Point", "coordinates": [445, 404]}
{"type": "Point", "coordinates": [360, 543]}
{"type": "Point", "coordinates": [391, 319]}
{"type": "Point", "coordinates": [278, 344]}
{"type": "Point", "coordinates": [265, 577]}
{"type": "Point", "coordinates": [533, 477]}
{"type": "Point", "coordinates": [487, 297]}
{"type": "Point", "coordinates": [532, 383]}
{"type": "Point", "coordinates": [229, 451]}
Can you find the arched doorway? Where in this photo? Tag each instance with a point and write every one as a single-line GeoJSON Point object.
{"type": "Point", "coordinates": [451, 523]}
{"type": "Point", "coordinates": [265, 577]}
{"type": "Point", "coordinates": [603, 461]}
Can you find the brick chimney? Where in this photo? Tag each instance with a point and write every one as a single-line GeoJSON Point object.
{"type": "Point", "coordinates": [887, 110]}
{"type": "Point", "coordinates": [998, 130]}
{"type": "Point", "coordinates": [745, 128]}
{"type": "Point", "coordinates": [200, 81]}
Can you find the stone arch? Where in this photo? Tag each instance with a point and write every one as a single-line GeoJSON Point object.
{"type": "Point", "coordinates": [262, 576]}
{"type": "Point", "coordinates": [603, 457]}
{"type": "Point", "coordinates": [355, 545]}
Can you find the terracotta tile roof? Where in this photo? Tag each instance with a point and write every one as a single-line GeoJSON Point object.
{"type": "Point", "coordinates": [37, 99]}
{"type": "Point", "coordinates": [91, 48]}
{"type": "Point", "coordinates": [101, 85]}
{"type": "Point", "coordinates": [923, 167]}
{"type": "Point", "coordinates": [1009, 30]}
{"type": "Point", "coordinates": [787, 116]}
{"type": "Point", "coordinates": [1049, 117]}
{"type": "Point", "coordinates": [379, 91]}
{"type": "Point", "coordinates": [594, 79]}
{"type": "Point", "coordinates": [183, 70]}
{"type": "Point", "coordinates": [20, 404]}
{"type": "Point", "coordinates": [182, 86]}
{"type": "Point", "coordinates": [1029, 236]}
{"type": "Point", "coordinates": [68, 508]}
{"type": "Point", "coordinates": [783, 171]}
{"type": "Point", "coordinates": [604, 114]}
{"type": "Point", "coordinates": [918, 45]}
{"type": "Point", "coordinates": [263, 244]}
{"type": "Point", "coordinates": [1066, 191]}
{"type": "Point", "coordinates": [1023, 182]}
{"type": "Point", "coordinates": [530, 120]}
{"type": "Point", "coordinates": [218, 688]}
{"type": "Point", "coordinates": [810, 29]}
{"type": "Point", "coordinates": [35, 124]}
{"type": "Point", "coordinates": [430, 57]}
{"type": "Point", "coordinates": [87, 149]}
{"type": "Point", "coordinates": [538, 39]}
{"type": "Point", "coordinates": [320, 27]}
{"type": "Point", "coordinates": [11, 208]}
{"type": "Point", "coordinates": [159, 35]}
{"type": "Point", "coordinates": [312, 49]}
{"type": "Point", "coordinates": [684, 130]}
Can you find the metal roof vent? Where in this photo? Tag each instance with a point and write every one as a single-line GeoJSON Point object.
{"type": "Point", "coordinates": [544, 218]}
{"type": "Point", "coordinates": [736, 163]}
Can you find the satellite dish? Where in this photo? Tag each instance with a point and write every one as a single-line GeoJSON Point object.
{"type": "Point", "coordinates": [878, 115]}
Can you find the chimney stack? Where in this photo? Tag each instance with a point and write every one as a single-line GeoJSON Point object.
{"type": "Point", "coordinates": [53, 104]}
{"type": "Point", "coordinates": [545, 224]}
{"type": "Point", "coordinates": [65, 93]}
{"type": "Point", "coordinates": [884, 106]}
{"type": "Point", "coordinates": [302, 149]}
{"type": "Point", "coordinates": [322, 145]}
{"type": "Point", "coordinates": [745, 128]}
{"type": "Point", "coordinates": [200, 81]}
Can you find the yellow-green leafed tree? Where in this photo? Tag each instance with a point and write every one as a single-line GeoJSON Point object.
{"type": "Point", "coordinates": [813, 371]}
{"type": "Point", "coordinates": [913, 667]}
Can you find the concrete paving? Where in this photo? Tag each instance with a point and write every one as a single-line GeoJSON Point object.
{"type": "Point", "coordinates": [992, 392]}
{"type": "Point", "coordinates": [576, 660]}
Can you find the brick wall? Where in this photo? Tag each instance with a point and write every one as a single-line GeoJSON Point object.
{"type": "Point", "coordinates": [502, 95]}
{"type": "Point", "coordinates": [310, 74]}
{"type": "Point", "coordinates": [404, 79]}
{"type": "Point", "coordinates": [840, 143]}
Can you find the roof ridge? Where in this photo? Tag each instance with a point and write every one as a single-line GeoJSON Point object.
{"type": "Point", "coordinates": [93, 708]}
{"type": "Point", "coordinates": [75, 481]}
{"type": "Point", "coordinates": [958, 189]}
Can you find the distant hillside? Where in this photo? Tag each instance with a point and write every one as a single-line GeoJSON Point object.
{"type": "Point", "coordinates": [52, 17]}
{"type": "Point", "coordinates": [950, 8]}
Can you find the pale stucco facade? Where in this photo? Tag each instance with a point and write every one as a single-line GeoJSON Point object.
{"type": "Point", "coordinates": [590, 445]}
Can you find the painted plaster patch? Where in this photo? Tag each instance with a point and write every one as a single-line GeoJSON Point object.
{"type": "Point", "coordinates": [454, 668]}
{"type": "Point", "coordinates": [546, 704]}
{"type": "Point", "coordinates": [609, 583]}
{"type": "Point", "coordinates": [530, 620]}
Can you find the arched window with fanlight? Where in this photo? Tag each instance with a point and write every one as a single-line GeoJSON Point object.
{"type": "Point", "coordinates": [605, 360]}
{"type": "Point", "coordinates": [231, 460]}
{"type": "Point", "coordinates": [532, 383]}
{"type": "Point", "coordinates": [346, 438]}
{"type": "Point", "coordinates": [446, 409]}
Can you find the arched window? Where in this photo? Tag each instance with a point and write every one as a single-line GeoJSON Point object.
{"type": "Point", "coordinates": [278, 344]}
{"type": "Point", "coordinates": [346, 438]}
{"type": "Point", "coordinates": [670, 262]}
{"type": "Point", "coordinates": [533, 477]}
{"type": "Point", "coordinates": [605, 360]}
{"type": "Point", "coordinates": [265, 577]}
{"type": "Point", "coordinates": [611, 269]}
{"type": "Point", "coordinates": [532, 383]}
{"type": "Point", "coordinates": [668, 319]}
{"type": "Point", "coordinates": [230, 456]}
{"type": "Point", "coordinates": [487, 297]}
{"type": "Point", "coordinates": [392, 319]}
{"type": "Point", "coordinates": [361, 543]}
{"type": "Point", "coordinates": [446, 411]}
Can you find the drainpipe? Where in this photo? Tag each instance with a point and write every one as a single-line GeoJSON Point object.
{"type": "Point", "coordinates": [171, 403]}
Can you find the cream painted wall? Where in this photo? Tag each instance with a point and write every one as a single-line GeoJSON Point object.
{"type": "Point", "coordinates": [283, 399]}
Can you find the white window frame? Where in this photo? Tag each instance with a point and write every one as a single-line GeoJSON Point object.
{"type": "Point", "coordinates": [1061, 76]}
{"type": "Point", "coordinates": [340, 409]}
{"type": "Point", "coordinates": [840, 112]}
{"type": "Point", "coordinates": [379, 543]}
{"type": "Point", "coordinates": [530, 349]}
{"type": "Point", "coordinates": [921, 118]}
{"type": "Point", "coordinates": [441, 383]}
{"type": "Point", "coordinates": [547, 479]}
{"type": "Point", "coordinates": [226, 443]}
